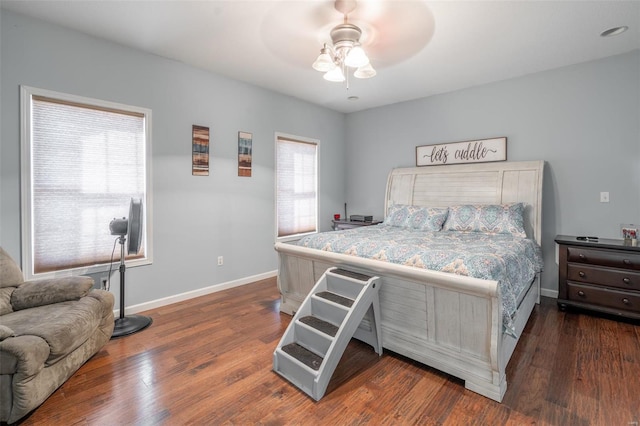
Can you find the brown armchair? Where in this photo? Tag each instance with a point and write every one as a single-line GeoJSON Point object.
{"type": "Point", "coordinates": [48, 329]}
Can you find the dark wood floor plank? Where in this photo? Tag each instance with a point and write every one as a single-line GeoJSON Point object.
{"type": "Point", "coordinates": [208, 360]}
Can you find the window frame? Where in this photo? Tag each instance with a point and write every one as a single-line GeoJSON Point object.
{"type": "Point", "coordinates": [300, 139]}
{"type": "Point", "coordinates": [26, 191]}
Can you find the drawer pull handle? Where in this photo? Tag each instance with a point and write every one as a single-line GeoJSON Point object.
{"type": "Point", "coordinates": [581, 274]}
{"type": "Point", "coordinates": [625, 301]}
{"type": "Point", "coordinates": [581, 293]}
{"type": "Point", "coordinates": [581, 256]}
{"type": "Point", "coordinates": [626, 262]}
{"type": "Point", "coordinates": [626, 280]}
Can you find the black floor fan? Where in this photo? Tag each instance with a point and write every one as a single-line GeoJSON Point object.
{"type": "Point", "coordinates": [128, 229]}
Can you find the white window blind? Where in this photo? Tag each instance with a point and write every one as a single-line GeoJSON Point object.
{"type": "Point", "coordinates": [87, 158]}
{"type": "Point", "coordinates": [296, 186]}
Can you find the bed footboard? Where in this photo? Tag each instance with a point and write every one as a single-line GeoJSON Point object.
{"type": "Point", "coordinates": [446, 321]}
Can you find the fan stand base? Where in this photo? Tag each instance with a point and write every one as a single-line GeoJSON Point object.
{"type": "Point", "coordinates": [130, 324]}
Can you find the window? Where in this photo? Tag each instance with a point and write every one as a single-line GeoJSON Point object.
{"type": "Point", "coordinates": [82, 161]}
{"type": "Point", "coordinates": [296, 185]}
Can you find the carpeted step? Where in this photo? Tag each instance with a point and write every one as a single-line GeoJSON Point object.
{"type": "Point", "coordinates": [322, 325]}
{"type": "Point", "coordinates": [303, 355]}
{"type": "Point", "coordinates": [351, 274]}
{"type": "Point", "coordinates": [336, 298]}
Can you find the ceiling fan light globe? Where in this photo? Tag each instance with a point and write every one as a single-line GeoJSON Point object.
{"type": "Point", "coordinates": [324, 63]}
{"type": "Point", "coordinates": [356, 58]}
{"type": "Point", "coordinates": [366, 71]}
{"type": "Point", "coordinates": [336, 75]}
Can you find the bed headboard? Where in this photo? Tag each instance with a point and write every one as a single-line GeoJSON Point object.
{"type": "Point", "coordinates": [485, 183]}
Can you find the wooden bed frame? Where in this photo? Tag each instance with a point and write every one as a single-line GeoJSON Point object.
{"type": "Point", "coordinates": [450, 322]}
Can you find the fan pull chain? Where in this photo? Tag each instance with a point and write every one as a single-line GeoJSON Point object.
{"type": "Point", "coordinates": [346, 74]}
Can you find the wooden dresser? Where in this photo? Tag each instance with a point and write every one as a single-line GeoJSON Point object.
{"type": "Point", "coordinates": [601, 275]}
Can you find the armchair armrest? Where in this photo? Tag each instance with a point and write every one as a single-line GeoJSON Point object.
{"type": "Point", "coordinates": [23, 354]}
{"type": "Point", "coordinates": [46, 292]}
{"type": "Point", "coordinates": [5, 332]}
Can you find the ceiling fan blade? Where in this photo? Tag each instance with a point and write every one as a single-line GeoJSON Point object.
{"type": "Point", "coordinates": [393, 31]}
{"type": "Point", "coordinates": [295, 31]}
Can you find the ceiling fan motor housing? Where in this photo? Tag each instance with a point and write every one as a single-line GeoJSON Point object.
{"type": "Point", "coordinates": [345, 35]}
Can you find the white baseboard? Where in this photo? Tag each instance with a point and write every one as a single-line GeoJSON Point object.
{"type": "Point", "coordinates": [194, 293]}
{"type": "Point", "coordinates": [549, 293]}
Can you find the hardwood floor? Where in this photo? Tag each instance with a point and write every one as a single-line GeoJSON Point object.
{"type": "Point", "coordinates": [208, 361]}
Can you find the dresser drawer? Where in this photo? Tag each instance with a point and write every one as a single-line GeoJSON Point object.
{"type": "Point", "coordinates": [620, 278]}
{"type": "Point", "coordinates": [614, 299]}
{"type": "Point", "coordinates": [614, 259]}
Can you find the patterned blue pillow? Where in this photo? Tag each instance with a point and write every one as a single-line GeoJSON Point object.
{"type": "Point", "coordinates": [429, 218]}
{"type": "Point", "coordinates": [416, 217]}
{"type": "Point", "coordinates": [491, 219]}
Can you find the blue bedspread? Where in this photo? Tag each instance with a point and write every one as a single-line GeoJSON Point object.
{"type": "Point", "coordinates": [511, 261]}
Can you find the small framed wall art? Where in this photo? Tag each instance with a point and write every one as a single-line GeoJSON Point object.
{"type": "Point", "coordinates": [476, 151]}
{"type": "Point", "coordinates": [200, 151]}
{"type": "Point", "coordinates": [245, 142]}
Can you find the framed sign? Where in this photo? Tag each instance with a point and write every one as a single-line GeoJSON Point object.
{"type": "Point", "coordinates": [478, 151]}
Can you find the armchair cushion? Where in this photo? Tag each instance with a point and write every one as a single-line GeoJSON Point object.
{"type": "Point", "coordinates": [31, 294]}
{"type": "Point", "coordinates": [5, 300]}
{"type": "Point", "coordinates": [10, 273]}
{"type": "Point", "coordinates": [63, 326]}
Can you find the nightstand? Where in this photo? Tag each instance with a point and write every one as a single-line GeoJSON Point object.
{"type": "Point", "coordinates": [339, 225]}
{"type": "Point", "coordinates": [602, 275]}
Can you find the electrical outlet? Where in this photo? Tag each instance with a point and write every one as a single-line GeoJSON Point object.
{"type": "Point", "coordinates": [604, 197]}
{"type": "Point", "coordinates": [103, 282]}
{"type": "Point", "coordinates": [220, 261]}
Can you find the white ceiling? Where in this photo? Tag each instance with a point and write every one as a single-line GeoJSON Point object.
{"type": "Point", "coordinates": [419, 48]}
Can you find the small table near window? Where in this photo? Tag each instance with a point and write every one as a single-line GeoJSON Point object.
{"type": "Point", "coordinates": [341, 224]}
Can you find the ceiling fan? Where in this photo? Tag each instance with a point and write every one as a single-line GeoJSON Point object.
{"type": "Point", "coordinates": [345, 51]}
{"type": "Point", "coordinates": [389, 31]}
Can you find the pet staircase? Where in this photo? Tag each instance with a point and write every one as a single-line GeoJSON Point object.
{"type": "Point", "coordinates": [342, 304]}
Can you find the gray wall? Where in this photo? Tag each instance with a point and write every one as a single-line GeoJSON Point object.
{"type": "Point", "coordinates": [583, 120]}
{"type": "Point", "coordinates": [196, 219]}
